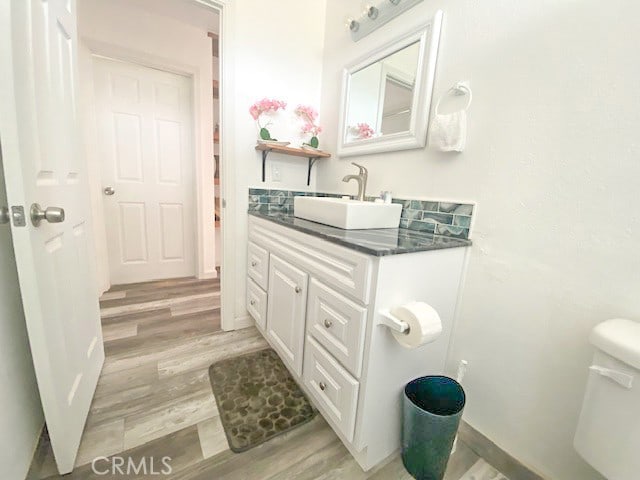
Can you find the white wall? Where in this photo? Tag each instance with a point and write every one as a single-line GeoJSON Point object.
{"type": "Point", "coordinates": [276, 53]}
{"type": "Point", "coordinates": [21, 417]}
{"type": "Point", "coordinates": [553, 162]}
{"type": "Point", "coordinates": [145, 31]}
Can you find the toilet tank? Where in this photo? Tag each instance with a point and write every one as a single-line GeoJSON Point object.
{"type": "Point", "coordinates": [608, 433]}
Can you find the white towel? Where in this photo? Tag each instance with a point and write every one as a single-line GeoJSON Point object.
{"type": "Point", "coordinates": [448, 132]}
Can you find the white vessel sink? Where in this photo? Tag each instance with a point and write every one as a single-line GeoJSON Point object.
{"type": "Point", "coordinates": [347, 214]}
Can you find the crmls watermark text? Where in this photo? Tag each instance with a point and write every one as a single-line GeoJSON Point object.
{"type": "Point", "coordinates": [130, 466]}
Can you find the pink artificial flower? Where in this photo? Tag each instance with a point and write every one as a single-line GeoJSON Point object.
{"type": "Point", "coordinates": [309, 115]}
{"type": "Point", "coordinates": [265, 106]}
{"type": "Point", "coordinates": [307, 111]}
{"type": "Point", "coordinates": [255, 113]}
{"type": "Point", "coordinates": [364, 130]}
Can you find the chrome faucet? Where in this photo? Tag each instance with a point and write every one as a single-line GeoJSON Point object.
{"type": "Point", "coordinates": [361, 178]}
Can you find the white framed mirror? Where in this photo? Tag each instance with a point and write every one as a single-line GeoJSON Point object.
{"type": "Point", "coordinates": [386, 95]}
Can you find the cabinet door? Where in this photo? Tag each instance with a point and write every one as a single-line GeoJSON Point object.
{"type": "Point", "coordinates": [286, 311]}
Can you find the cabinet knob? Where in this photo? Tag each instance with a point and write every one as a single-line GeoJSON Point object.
{"type": "Point", "coordinates": [252, 302]}
{"type": "Point", "coordinates": [298, 289]}
{"type": "Point", "coordinates": [254, 263]}
{"type": "Point", "coordinates": [327, 323]}
{"type": "Point", "coordinates": [322, 386]}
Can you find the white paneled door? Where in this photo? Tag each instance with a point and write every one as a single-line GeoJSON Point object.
{"type": "Point", "coordinates": [39, 134]}
{"type": "Point", "coordinates": [146, 152]}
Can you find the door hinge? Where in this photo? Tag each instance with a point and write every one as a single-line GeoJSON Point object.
{"type": "Point", "coordinates": [17, 214]}
{"type": "Point", "coordinates": [4, 215]}
{"type": "Point", "coordinates": [224, 203]}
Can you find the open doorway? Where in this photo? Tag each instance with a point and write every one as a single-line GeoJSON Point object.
{"type": "Point", "coordinates": [146, 80]}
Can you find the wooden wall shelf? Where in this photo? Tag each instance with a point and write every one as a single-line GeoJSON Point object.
{"type": "Point", "coordinates": [311, 155]}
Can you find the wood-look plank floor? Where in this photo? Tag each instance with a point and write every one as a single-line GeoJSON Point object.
{"type": "Point", "coordinates": [154, 399]}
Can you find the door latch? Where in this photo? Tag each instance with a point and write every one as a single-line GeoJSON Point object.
{"type": "Point", "coordinates": [17, 215]}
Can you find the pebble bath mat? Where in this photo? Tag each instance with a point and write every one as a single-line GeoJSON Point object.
{"type": "Point", "coordinates": [257, 398]}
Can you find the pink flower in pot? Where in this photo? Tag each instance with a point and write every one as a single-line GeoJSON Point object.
{"type": "Point", "coordinates": [262, 107]}
{"type": "Point", "coordinates": [309, 115]}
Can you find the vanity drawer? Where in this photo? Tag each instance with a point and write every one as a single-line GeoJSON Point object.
{"type": "Point", "coordinates": [335, 391]}
{"type": "Point", "coordinates": [257, 303]}
{"type": "Point", "coordinates": [345, 269]}
{"type": "Point", "coordinates": [338, 324]}
{"type": "Point", "coordinates": [258, 265]}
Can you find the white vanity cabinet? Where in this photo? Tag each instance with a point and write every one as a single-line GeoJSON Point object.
{"type": "Point", "coordinates": [322, 301]}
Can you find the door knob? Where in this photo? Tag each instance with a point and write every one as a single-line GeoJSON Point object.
{"type": "Point", "coordinates": [4, 215]}
{"type": "Point", "coordinates": [51, 214]}
{"type": "Point", "coordinates": [322, 386]}
{"type": "Point", "coordinates": [327, 323]}
{"type": "Point", "coordinates": [109, 190]}
{"type": "Point", "coordinates": [298, 289]}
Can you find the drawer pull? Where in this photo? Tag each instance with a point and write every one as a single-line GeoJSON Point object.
{"type": "Point", "coordinates": [254, 263]}
{"type": "Point", "coordinates": [298, 289]}
{"type": "Point", "coordinates": [252, 302]}
{"type": "Point", "coordinates": [322, 386]}
{"type": "Point", "coordinates": [327, 323]}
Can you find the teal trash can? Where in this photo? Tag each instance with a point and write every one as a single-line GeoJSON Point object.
{"type": "Point", "coordinates": [432, 408]}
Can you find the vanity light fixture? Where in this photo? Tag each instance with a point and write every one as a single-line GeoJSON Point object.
{"type": "Point", "coordinates": [374, 16]}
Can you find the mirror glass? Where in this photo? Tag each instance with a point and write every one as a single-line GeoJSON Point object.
{"type": "Point", "coordinates": [381, 96]}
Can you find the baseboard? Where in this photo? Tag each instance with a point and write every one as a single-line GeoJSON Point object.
{"type": "Point", "coordinates": [207, 275]}
{"type": "Point", "coordinates": [494, 455]}
{"type": "Point", "coordinates": [244, 321]}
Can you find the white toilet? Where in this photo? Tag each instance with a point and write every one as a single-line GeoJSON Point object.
{"type": "Point", "coordinates": [608, 433]}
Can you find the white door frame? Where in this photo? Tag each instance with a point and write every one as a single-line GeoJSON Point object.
{"type": "Point", "coordinates": [234, 314]}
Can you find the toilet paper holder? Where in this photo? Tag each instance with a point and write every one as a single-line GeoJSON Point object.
{"type": "Point", "coordinates": [394, 323]}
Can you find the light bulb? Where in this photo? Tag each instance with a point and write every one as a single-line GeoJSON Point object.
{"type": "Point", "coordinates": [351, 24]}
{"type": "Point", "coordinates": [371, 11]}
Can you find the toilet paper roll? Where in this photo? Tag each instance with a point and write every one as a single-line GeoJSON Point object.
{"type": "Point", "coordinates": [424, 324]}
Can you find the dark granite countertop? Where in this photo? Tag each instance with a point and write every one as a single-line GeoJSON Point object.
{"type": "Point", "coordinates": [378, 242]}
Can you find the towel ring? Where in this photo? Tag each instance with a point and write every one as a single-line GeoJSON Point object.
{"type": "Point", "coordinates": [459, 88]}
